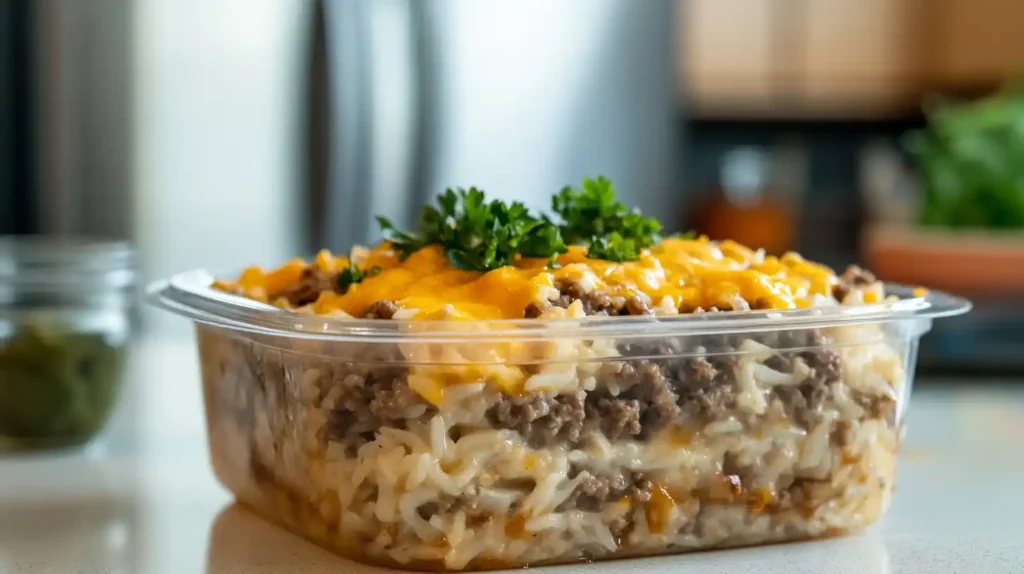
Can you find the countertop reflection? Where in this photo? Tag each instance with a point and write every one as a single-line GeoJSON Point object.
{"type": "Point", "coordinates": [243, 543]}
{"type": "Point", "coordinates": [143, 499]}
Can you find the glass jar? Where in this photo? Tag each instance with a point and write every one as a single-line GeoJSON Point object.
{"type": "Point", "coordinates": [749, 207]}
{"type": "Point", "coordinates": [65, 321]}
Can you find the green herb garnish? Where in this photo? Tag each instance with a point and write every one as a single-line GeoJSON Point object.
{"type": "Point", "coordinates": [613, 247]}
{"type": "Point", "coordinates": [481, 235]}
{"type": "Point", "coordinates": [592, 216]}
{"type": "Point", "coordinates": [477, 235]}
{"type": "Point", "coordinates": [969, 160]}
{"type": "Point", "coordinates": [684, 235]}
{"type": "Point", "coordinates": [353, 274]}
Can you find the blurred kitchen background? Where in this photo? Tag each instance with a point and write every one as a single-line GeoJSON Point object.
{"type": "Point", "coordinates": [217, 133]}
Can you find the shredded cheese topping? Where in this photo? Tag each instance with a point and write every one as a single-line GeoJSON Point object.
{"type": "Point", "coordinates": [684, 273]}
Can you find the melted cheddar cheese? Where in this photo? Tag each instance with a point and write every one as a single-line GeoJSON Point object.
{"type": "Point", "coordinates": [682, 274]}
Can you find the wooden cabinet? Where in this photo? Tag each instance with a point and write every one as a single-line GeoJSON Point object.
{"type": "Point", "coordinates": [797, 57]}
{"type": "Point", "coordinates": [840, 58]}
{"type": "Point", "coordinates": [975, 44]}
{"type": "Point", "coordinates": [725, 52]}
{"type": "Point", "coordinates": [860, 57]}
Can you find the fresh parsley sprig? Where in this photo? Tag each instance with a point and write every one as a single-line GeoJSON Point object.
{"type": "Point", "coordinates": [353, 274]}
{"type": "Point", "coordinates": [592, 216]}
{"type": "Point", "coordinates": [481, 235]}
{"type": "Point", "coordinates": [684, 235]}
{"type": "Point", "coordinates": [613, 247]}
{"type": "Point", "coordinates": [476, 234]}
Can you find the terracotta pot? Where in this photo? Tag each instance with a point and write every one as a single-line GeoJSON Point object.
{"type": "Point", "coordinates": [965, 262]}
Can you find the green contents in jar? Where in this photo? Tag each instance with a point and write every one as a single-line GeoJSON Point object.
{"type": "Point", "coordinates": [56, 388]}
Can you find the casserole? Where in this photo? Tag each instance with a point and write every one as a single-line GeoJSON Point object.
{"type": "Point", "coordinates": [702, 395]}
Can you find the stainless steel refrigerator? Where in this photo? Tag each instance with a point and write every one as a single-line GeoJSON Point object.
{"type": "Point", "coordinates": [519, 97]}
{"type": "Point", "coordinates": [303, 119]}
{"type": "Point", "coordinates": [65, 116]}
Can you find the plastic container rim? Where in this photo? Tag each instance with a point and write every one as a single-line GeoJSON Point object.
{"type": "Point", "coordinates": [192, 296]}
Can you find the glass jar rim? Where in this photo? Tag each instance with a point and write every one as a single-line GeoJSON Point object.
{"type": "Point", "coordinates": [56, 262]}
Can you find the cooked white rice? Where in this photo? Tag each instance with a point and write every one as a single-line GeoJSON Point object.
{"type": "Point", "coordinates": [365, 504]}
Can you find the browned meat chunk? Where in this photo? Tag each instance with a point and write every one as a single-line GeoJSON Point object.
{"type": "Point", "coordinates": [594, 492]}
{"type": "Point", "coordinates": [802, 402]}
{"type": "Point", "coordinates": [312, 283]}
{"type": "Point", "coordinates": [382, 309]}
{"type": "Point", "coordinates": [373, 398]}
{"type": "Point", "coordinates": [854, 278]}
{"type": "Point", "coordinates": [540, 419]}
{"type": "Point", "coordinates": [646, 404]}
{"type": "Point", "coordinates": [599, 303]}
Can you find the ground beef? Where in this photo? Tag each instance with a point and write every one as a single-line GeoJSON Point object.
{"type": "Point", "coordinates": [596, 302]}
{"type": "Point", "coordinates": [655, 393]}
{"type": "Point", "coordinates": [853, 278]}
{"type": "Point", "coordinates": [802, 402]}
{"type": "Point", "coordinates": [595, 491]}
{"type": "Point", "coordinates": [311, 284]}
{"type": "Point", "coordinates": [706, 385]}
{"type": "Point", "coordinates": [664, 383]}
{"type": "Point", "coordinates": [541, 419]}
{"type": "Point", "coordinates": [620, 418]}
{"type": "Point", "coordinates": [792, 340]}
{"type": "Point", "coordinates": [824, 363]}
{"type": "Point", "coordinates": [710, 404]}
{"type": "Point", "coordinates": [646, 404]}
{"type": "Point", "coordinates": [700, 371]}
{"type": "Point", "coordinates": [651, 396]}
{"type": "Point", "coordinates": [636, 305]}
{"type": "Point", "coordinates": [371, 398]}
{"type": "Point", "coordinates": [383, 309]}
{"type": "Point", "coordinates": [781, 362]}
{"type": "Point", "coordinates": [532, 311]}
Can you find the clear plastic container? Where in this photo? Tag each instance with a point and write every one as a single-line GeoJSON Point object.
{"type": "Point", "coordinates": [478, 445]}
{"type": "Point", "coordinates": [65, 321]}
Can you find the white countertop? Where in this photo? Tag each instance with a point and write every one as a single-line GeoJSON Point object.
{"type": "Point", "coordinates": [143, 499]}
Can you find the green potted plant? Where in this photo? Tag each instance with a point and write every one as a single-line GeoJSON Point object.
{"type": "Point", "coordinates": [969, 230]}
{"type": "Point", "coordinates": [970, 159]}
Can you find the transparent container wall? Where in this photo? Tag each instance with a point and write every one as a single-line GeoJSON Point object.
{"type": "Point", "coordinates": [464, 456]}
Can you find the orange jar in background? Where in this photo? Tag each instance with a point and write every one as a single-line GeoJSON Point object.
{"type": "Point", "coordinates": [747, 208]}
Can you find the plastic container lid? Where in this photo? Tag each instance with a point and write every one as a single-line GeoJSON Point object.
{"type": "Point", "coordinates": [191, 295]}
